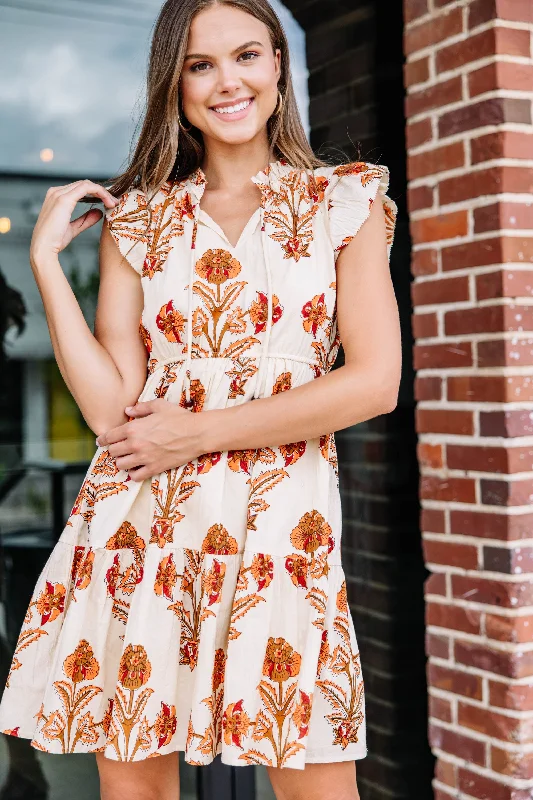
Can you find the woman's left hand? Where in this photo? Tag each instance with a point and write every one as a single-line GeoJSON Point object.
{"type": "Point", "coordinates": [158, 436]}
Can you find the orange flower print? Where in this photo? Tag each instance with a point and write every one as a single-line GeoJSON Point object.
{"type": "Point", "coordinates": [283, 383]}
{"type": "Point", "coordinates": [219, 542]}
{"type": "Point", "coordinates": [301, 716]}
{"type": "Point", "coordinates": [197, 396]}
{"type": "Point", "coordinates": [166, 577]}
{"type": "Point", "coordinates": [171, 322]}
{"type": "Point", "coordinates": [262, 569]}
{"type": "Point", "coordinates": [84, 571]}
{"type": "Point", "coordinates": [217, 266]}
{"type": "Point", "coordinates": [242, 460]}
{"type": "Point", "coordinates": [259, 311]}
{"type": "Point", "coordinates": [145, 337]}
{"type": "Point", "coordinates": [316, 188]}
{"type": "Point", "coordinates": [281, 660]}
{"type": "Point", "coordinates": [213, 581]}
{"type": "Point", "coordinates": [165, 724]}
{"type": "Point", "coordinates": [219, 669]}
{"type": "Point", "coordinates": [51, 602]}
{"type": "Point", "coordinates": [126, 537]}
{"type": "Point", "coordinates": [235, 724]}
{"type": "Point", "coordinates": [297, 567]}
{"type": "Point", "coordinates": [314, 314]}
{"type": "Point", "coordinates": [135, 668]}
{"type": "Point", "coordinates": [81, 665]}
{"type": "Point", "coordinates": [162, 531]}
{"type": "Point", "coordinates": [311, 532]}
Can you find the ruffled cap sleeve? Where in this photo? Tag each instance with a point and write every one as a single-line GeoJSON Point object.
{"type": "Point", "coordinates": [129, 225]}
{"type": "Point", "coordinates": [351, 191]}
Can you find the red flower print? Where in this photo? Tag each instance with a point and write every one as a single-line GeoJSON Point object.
{"type": "Point", "coordinates": [166, 577]}
{"type": "Point", "coordinates": [297, 568]}
{"type": "Point", "coordinates": [145, 337]}
{"type": "Point", "coordinates": [262, 568]}
{"type": "Point", "coordinates": [259, 311]}
{"type": "Point", "coordinates": [165, 724]}
{"type": "Point", "coordinates": [315, 314]}
{"type": "Point", "coordinates": [302, 715]}
{"type": "Point", "coordinates": [51, 602]}
{"type": "Point", "coordinates": [112, 575]}
{"type": "Point", "coordinates": [213, 581]}
{"type": "Point", "coordinates": [171, 322]}
{"type": "Point", "coordinates": [235, 724]}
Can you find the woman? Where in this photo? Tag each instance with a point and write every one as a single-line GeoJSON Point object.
{"type": "Point", "coordinates": [196, 599]}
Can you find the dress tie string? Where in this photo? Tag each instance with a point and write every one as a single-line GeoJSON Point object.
{"type": "Point", "coordinates": [187, 377]}
{"type": "Point", "coordinates": [261, 373]}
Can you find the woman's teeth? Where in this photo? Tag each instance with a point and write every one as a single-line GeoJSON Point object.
{"type": "Point", "coordinates": [233, 109]}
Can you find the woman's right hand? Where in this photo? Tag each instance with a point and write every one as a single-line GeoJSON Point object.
{"type": "Point", "coordinates": [54, 229]}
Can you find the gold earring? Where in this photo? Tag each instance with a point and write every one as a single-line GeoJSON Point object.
{"type": "Point", "coordinates": [180, 123]}
{"type": "Point", "coordinates": [279, 104]}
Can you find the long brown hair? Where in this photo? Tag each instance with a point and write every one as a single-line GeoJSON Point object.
{"type": "Point", "coordinates": [164, 151]}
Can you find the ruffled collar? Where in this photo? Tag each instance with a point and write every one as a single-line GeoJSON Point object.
{"type": "Point", "coordinates": [196, 182]}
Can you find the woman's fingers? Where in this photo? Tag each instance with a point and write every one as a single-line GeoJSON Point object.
{"type": "Point", "coordinates": [54, 229]}
{"type": "Point", "coordinates": [86, 220]}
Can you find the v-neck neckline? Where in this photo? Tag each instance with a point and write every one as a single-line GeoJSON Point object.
{"type": "Point", "coordinates": [211, 223]}
{"type": "Point", "coordinates": [196, 183]}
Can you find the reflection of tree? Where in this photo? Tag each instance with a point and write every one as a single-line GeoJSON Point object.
{"type": "Point", "coordinates": [12, 313]}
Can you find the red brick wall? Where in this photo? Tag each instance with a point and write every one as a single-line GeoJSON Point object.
{"type": "Point", "coordinates": [469, 79]}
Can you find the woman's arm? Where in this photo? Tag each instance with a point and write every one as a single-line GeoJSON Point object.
{"type": "Point", "coordinates": [163, 436]}
{"type": "Point", "coordinates": [364, 387]}
{"type": "Point", "coordinates": [106, 370]}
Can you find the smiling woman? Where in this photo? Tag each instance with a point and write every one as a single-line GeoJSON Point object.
{"type": "Point", "coordinates": [196, 599]}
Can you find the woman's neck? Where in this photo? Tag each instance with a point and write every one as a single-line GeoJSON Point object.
{"type": "Point", "coordinates": [230, 167]}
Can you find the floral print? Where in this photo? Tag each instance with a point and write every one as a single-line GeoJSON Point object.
{"type": "Point", "coordinates": [205, 609]}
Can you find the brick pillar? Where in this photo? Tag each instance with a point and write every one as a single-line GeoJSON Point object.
{"type": "Point", "coordinates": [469, 79]}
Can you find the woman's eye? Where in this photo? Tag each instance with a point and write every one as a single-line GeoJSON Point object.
{"type": "Point", "coordinates": [249, 55]}
{"type": "Point", "coordinates": [201, 66]}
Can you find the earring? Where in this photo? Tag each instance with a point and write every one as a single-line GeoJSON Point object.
{"type": "Point", "coordinates": [279, 104]}
{"type": "Point", "coordinates": [180, 123]}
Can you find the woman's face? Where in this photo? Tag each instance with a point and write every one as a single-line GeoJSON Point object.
{"type": "Point", "coordinates": [229, 81]}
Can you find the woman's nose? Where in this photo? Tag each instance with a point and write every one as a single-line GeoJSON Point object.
{"type": "Point", "coordinates": [228, 78]}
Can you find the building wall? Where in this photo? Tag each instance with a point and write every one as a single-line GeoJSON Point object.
{"type": "Point", "coordinates": [469, 78]}
{"type": "Point", "coordinates": [356, 111]}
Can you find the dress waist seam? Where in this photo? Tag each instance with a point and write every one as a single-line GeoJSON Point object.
{"type": "Point", "coordinates": [286, 356]}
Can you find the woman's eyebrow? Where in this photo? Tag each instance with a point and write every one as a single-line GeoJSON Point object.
{"type": "Point", "coordinates": [237, 50]}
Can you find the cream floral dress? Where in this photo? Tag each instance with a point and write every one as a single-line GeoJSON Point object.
{"type": "Point", "coordinates": [205, 609]}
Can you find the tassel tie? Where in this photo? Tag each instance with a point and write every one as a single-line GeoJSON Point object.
{"type": "Point", "coordinates": [187, 377]}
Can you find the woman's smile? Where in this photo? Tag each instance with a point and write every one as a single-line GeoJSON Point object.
{"type": "Point", "coordinates": [233, 110]}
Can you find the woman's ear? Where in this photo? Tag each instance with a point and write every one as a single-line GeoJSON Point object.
{"type": "Point", "coordinates": [277, 57]}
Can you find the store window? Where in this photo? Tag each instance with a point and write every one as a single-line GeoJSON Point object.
{"type": "Point", "coordinates": [67, 112]}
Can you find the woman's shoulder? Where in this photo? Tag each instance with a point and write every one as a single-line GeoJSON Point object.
{"type": "Point", "coordinates": [349, 191]}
